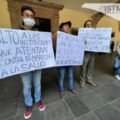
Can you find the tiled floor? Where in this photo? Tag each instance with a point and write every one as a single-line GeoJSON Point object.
{"type": "Point", "coordinates": [92, 103]}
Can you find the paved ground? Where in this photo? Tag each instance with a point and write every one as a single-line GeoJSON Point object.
{"type": "Point", "coordinates": [92, 103]}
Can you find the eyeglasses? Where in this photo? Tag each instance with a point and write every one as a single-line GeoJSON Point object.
{"type": "Point", "coordinates": [28, 15]}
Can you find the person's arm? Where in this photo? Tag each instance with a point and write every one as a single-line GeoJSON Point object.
{"type": "Point", "coordinates": [118, 47]}
{"type": "Point", "coordinates": [54, 40]}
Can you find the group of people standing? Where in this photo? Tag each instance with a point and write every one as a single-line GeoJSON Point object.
{"type": "Point", "coordinates": [34, 77]}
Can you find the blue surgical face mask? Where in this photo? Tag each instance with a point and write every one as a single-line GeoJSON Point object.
{"type": "Point", "coordinates": [29, 21]}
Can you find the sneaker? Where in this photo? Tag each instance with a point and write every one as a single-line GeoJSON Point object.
{"type": "Point", "coordinates": [117, 77]}
{"type": "Point", "coordinates": [28, 112]}
{"type": "Point", "coordinates": [91, 83]}
{"type": "Point", "coordinates": [41, 106]}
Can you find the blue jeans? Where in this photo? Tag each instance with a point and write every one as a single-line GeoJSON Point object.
{"type": "Point", "coordinates": [117, 65]}
{"type": "Point", "coordinates": [61, 74]}
{"type": "Point", "coordinates": [27, 80]}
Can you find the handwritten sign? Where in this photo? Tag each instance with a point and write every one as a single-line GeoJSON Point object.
{"type": "Point", "coordinates": [96, 40]}
{"type": "Point", "coordinates": [70, 50]}
{"type": "Point", "coordinates": [22, 51]}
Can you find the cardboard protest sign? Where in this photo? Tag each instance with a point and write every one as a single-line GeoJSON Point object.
{"type": "Point", "coordinates": [22, 51]}
{"type": "Point", "coordinates": [70, 50]}
{"type": "Point", "coordinates": [96, 39]}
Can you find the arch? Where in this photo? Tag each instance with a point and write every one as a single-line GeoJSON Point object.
{"type": "Point", "coordinates": [98, 16]}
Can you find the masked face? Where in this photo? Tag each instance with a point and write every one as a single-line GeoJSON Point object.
{"type": "Point", "coordinates": [29, 22]}
{"type": "Point", "coordinates": [28, 18]}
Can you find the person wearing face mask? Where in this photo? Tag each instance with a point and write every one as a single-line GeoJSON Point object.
{"type": "Point", "coordinates": [117, 62]}
{"type": "Point", "coordinates": [86, 70]}
{"type": "Point", "coordinates": [33, 77]}
{"type": "Point", "coordinates": [64, 27]}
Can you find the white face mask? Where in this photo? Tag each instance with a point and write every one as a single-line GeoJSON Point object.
{"type": "Point", "coordinates": [29, 21]}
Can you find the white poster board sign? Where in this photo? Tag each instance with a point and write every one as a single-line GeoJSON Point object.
{"type": "Point", "coordinates": [22, 51]}
{"type": "Point", "coordinates": [70, 50]}
{"type": "Point", "coordinates": [96, 39]}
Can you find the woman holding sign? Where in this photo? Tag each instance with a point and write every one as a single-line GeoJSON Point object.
{"type": "Point", "coordinates": [64, 27]}
{"type": "Point", "coordinates": [86, 70]}
{"type": "Point", "coordinates": [28, 21]}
